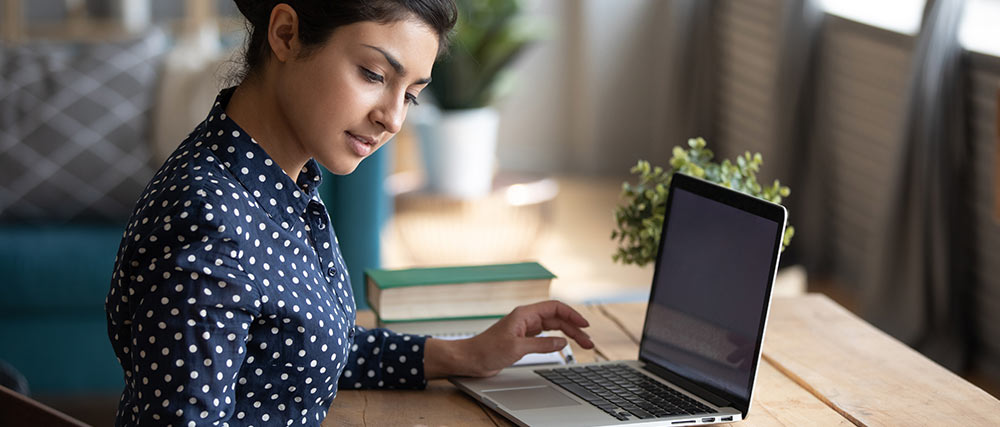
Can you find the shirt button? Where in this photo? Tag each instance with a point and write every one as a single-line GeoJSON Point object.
{"type": "Point", "coordinates": [332, 271]}
{"type": "Point", "coordinates": [350, 333]}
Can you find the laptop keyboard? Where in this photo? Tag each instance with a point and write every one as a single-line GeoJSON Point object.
{"type": "Point", "coordinates": [623, 392]}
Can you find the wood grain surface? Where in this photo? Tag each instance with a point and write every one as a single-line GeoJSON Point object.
{"type": "Point", "coordinates": [821, 366]}
{"type": "Point", "coordinates": [864, 374]}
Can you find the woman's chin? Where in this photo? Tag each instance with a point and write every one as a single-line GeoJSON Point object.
{"type": "Point", "coordinates": [340, 168]}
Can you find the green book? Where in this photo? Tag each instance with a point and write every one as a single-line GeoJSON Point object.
{"type": "Point", "coordinates": [462, 291]}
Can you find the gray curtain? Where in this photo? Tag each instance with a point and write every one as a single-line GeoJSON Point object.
{"type": "Point", "coordinates": [801, 22]}
{"type": "Point", "coordinates": [687, 110]}
{"type": "Point", "coordinates": [918, 285]}
{"type": "Point", "coordinates": [690, 108]}
{"type": "Point", "coordinates": [798, 164]}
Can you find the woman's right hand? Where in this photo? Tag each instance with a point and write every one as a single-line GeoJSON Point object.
{"type": "Point", "coordinates": [514, 336]}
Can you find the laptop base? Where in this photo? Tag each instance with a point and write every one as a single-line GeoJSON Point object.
{"type": "Point", "coordinates": [525, 397]}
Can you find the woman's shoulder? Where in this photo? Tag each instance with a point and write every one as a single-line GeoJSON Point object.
{"type": "Point", "coordinates": [191, 188]}
{"type": "Point", "coordinates": [191, 173]}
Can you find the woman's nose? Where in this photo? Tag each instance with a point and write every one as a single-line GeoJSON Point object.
{"type": "Point", "coordinates": [390, 116]}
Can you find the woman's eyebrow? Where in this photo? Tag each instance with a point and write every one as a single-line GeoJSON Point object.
{"type": "Point", "coordinates": [394, 63]}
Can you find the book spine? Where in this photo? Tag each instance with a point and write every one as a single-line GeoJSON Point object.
{"type": "Point", "coordinates": [374, 294]}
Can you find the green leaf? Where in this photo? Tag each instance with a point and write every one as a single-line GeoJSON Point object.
{"type": "Point", "coordinates": [488, 37]}
{"type": "Point", "coordinates": [639, 216]}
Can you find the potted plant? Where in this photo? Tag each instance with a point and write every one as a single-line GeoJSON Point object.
{"type": "Point", "coordinates": [639, 217]}
{"type": "Point", "coordinates": [459, 145]}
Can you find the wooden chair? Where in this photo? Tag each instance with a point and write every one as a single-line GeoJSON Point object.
{"type": "Point", "coordinates": [19, 410]}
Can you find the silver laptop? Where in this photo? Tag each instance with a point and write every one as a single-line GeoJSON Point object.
{"type": "Point", "coordinates": [701, 341]}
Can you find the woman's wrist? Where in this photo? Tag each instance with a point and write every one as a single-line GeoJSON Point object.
{"type": "Point", "coordinates": [444, 358]}
{"type": "Point", "coordinates": [440, 357]}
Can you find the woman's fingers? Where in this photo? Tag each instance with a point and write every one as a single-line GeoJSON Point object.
{"type": "Point", "coordinates": [569, 329]}
{"type": "Point", "coordinates": [542, 344]}
{"type": "Point", "coordinates": [555, 315]}
{"type": "Point", "coordinates": [553, 308]}
{"type": "Point", "coordinates": [568, 312]}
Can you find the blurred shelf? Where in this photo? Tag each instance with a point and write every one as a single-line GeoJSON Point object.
{"type": "Point", "coordinates": [433, 229]}
{"type": "Point", "coordinates": [569, 235]}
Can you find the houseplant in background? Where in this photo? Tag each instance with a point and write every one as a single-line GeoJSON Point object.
{"type": "Point", "coordinates": [459, 144]}
{"type": "Point", "coordinates": [639, 217]}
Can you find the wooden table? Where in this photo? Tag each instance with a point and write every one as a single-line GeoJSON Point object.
{"type": "Point", "coordinates": [822, 365]}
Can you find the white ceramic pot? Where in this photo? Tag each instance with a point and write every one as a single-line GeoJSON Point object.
{"type": "Point", "coordinates": [461, 156]}
{"type": "Point", "coordinates": [136, 15]}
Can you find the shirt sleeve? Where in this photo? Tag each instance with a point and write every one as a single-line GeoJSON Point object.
{"type": "Point", "coordinates": [381, 358]}
{"type": "Point", "coordinates": [191, 326]}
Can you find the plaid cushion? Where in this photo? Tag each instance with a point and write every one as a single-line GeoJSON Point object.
{"type": "Point", "coordinates": [74, 127]}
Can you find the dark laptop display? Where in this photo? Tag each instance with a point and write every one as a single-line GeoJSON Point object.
{"type": "Point", "coordinates": [712, 278]}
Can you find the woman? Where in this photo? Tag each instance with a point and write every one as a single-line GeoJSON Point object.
{"type": "Point", "coordinates": [230, 302]}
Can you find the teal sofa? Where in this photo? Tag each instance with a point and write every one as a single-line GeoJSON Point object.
{"type": "Point", "coordinates": [58, 241]}
{"type": "Point", "coordinates": [54, 279]}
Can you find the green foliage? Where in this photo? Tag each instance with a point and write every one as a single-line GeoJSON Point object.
{"type": "Point", "coordinates": [489, 36]}
{"type": "Point", "coordinates": [640, 216]}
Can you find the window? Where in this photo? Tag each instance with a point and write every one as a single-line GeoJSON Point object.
{"type": "Point", "coordinates": [980, 30]}
{"type": "Point", "coordinates": [902, 16]}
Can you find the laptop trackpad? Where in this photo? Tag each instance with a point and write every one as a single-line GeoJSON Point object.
{"type": "Point", "coordinates": [530, 398]}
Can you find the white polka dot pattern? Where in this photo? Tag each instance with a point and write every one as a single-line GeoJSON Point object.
{"type": "Point", "coordinates": [230, 303]}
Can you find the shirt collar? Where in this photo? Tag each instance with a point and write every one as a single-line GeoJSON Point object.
{"type": "Point", "coordinates": [274, 190]}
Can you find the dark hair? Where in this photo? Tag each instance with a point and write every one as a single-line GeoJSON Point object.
{"type": "Point", "coordinates": [318, 19]}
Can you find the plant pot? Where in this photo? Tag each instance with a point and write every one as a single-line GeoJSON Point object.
{"type": "Point", "coordinates": [136, 15]}
{"type": "Point", "coordinates": [460, 152]}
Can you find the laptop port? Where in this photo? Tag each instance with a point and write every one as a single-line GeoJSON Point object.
{"type": "Point", "coordinates": [707, 420]}
{"type": "Point", "coordinates": [683, 422]}
{"type": "Point", "coordinates": [729, 418]}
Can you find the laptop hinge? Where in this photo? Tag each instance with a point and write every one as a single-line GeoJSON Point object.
{"type": "Point", "coordinates": [688, 385]}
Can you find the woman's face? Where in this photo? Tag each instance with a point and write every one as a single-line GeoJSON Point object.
{"type": "Point", "coordinates": [346, 99]}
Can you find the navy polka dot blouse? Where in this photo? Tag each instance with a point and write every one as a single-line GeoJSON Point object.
{"type": "Point", "coordinates": [230, 303]}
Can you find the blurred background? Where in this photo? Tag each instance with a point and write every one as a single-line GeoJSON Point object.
{"type": "Point", "coordinates": [882, 118]}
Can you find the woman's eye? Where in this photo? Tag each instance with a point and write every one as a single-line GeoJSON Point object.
{"type": "Point", "coordinates": [412, 99]}
{"type": "Point", "coordinates": [372, 76]}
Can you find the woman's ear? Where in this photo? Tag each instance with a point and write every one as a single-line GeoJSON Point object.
{"type": "Point", "coordinates": [283, 32]}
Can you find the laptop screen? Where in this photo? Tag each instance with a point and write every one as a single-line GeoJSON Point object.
{"type": "Point", "coordinates": [710, 290]}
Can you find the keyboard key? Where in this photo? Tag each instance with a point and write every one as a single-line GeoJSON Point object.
{"type": "Point", "coordinates": [620, 391]}
{"type": "Point", "coordinates": [580, 391]}
{"type": "Point", "coordinates": [641, 414]}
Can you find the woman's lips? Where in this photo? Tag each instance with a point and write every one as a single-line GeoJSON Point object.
{"type": "Point", "coordinates": [362, 145]}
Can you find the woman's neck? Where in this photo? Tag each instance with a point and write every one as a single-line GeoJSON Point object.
{"type": "Point", "coordinates": [254, 108]}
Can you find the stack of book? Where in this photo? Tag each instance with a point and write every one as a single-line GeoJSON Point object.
{"type": "Point", "coordinates": [453, 301]}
